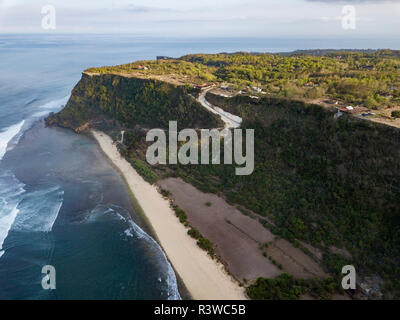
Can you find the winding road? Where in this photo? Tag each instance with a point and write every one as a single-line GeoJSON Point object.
{"type": "Point", "coordinates": [231, 121]}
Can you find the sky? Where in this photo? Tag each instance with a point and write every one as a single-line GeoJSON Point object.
{"type": "Point", "coordinates": [206, 18]}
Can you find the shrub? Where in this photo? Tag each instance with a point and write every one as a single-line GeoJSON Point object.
{"type": "Point", "coordinates": [165, 193]}
{"type": "Point", "coordinates": [144, 171]}
{"type": "Point", "coordinates": [194, 233]}
{"type": "Point", "coordinates": [181, 214]}
{"type": "Point", "coordinates": [206, 244]}
{"type": "Point", "coordinates": [396, 114]}
{"type": "Point", "coordinates": [284, 287]}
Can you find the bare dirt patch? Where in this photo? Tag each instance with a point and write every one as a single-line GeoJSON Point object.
{"type": "Point", "coordinates": [238, 238]}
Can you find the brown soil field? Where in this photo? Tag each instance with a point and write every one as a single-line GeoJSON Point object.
{"type": "Point", "coordinates": [237, 238]}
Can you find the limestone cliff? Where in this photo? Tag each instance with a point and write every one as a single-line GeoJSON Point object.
{"type": "Point", "coordinates": [131, 101]}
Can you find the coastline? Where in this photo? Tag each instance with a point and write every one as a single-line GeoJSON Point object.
{"type": "Point", "coordinates": [204, 278]}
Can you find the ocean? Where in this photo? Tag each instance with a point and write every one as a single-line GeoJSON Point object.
{"type": "Point", "coordinates": [61, 202]}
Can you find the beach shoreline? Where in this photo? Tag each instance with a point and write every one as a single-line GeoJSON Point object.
{"type": "Point", "coordinates": [204, 278]}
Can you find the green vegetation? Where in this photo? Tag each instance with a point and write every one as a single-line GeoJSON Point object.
{"type": "Point", "coordinates": [322, 181]}
{"type": "Point", "coordinates": [335, 263]}
{"type": "Point", "coordinates": [188, 71]}
{"type": "Point", "coordinates": [285, 287]}
{"type": "Point", "coordinates": [165, 193]}
{"type": "Point", "coordinates": [144, 171]}
{"type": "Point", "coordinates": [202, 242]}
{"type": "Point", "coordinates": [131, 101]}
{"type": "Point", "coordinates": [396, 114]}
{"type": "Point", "coordinates": [181, 214]}
{"type": "Point", "coordinates": [369, 78]}
{"type": "Point", "coordinates": [194, 233]}
{"type": "Point", "coordinates": [206, 245]}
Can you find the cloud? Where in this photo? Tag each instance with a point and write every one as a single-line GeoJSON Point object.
{"type": "Point", "coordinates": [204, 18]}
{"type": "Point", "coordinates": [144, 9]}
{"type": "Point", "coordinates": [339, 18]}
{"type": "Point", "coordinates": [7, 3]}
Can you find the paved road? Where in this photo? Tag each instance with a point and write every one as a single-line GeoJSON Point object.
{"type": "Point", "coordinates": [231, 121]}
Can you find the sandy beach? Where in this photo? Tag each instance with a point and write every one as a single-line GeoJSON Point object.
{"type": "Point", "coordinates": [204, 278]}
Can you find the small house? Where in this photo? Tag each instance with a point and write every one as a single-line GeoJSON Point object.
{"type": "Point", "coordinates": [205, 85]}
{"type": "Point", "coordinates": [345, 110]}
{"type": "Point", "coordinates": [140, 67]}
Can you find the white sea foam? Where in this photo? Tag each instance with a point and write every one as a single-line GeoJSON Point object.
{"type": "Point", "coordinates": [39, 210]}
{"type": "Point", "coordinates": [7, 135]}
{"type": "Point", "coordinates": [128, 233]}
{"type": "Point", "coordinates": [172, 285]}
{"type": "Point", "coordinates": [135, 231]}
{"type": "Point", "coordinates": [10, 196]}
{"type": "Point", "coordinates": [51, 106]}
{"type": "Point", "coordinates": [6, 222]}
{"type": "Point", "coordinates": [14, 131]}
{"type": "Point", "coordinates": [55, 104]}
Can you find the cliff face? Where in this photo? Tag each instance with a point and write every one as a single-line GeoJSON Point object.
{"type": "Point", "coordinates": [131, 101]}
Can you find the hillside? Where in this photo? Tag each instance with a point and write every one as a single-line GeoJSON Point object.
{"type": "Point", "coordinates": [331, 183]}
{"type": "Point", "coordinates": [132, 102]}
{"type": "Point", "coordinates": [366, 78]}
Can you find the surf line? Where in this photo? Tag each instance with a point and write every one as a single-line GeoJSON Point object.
{"type": "Point", "coordinates": [7, 135]}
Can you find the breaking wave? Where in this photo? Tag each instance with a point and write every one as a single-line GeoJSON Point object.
{"type": "Point", "coordinates": [21, 210]}
{"type": "Point", "coordinates": [7, 135]}
{"type": "Point", "coordinates": [51, 106]}
{"type": "Point", "coordinates": [134, 231]}
{"type": "Point", "coordinates": [38, 210]}
{"type": "Point", "coordinates": [11, 192]}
